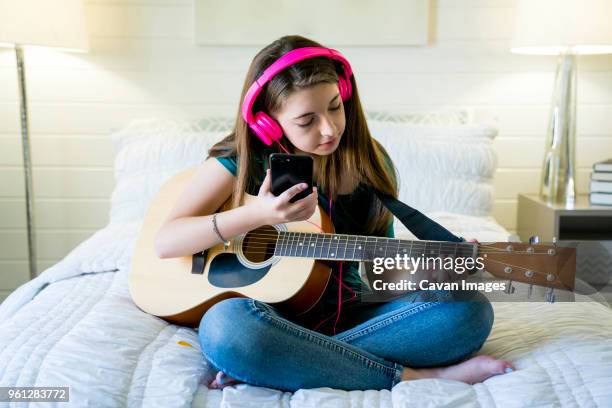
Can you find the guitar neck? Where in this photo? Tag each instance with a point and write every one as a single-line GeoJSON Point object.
{"type": "Point", "coordinates": [341, 247]}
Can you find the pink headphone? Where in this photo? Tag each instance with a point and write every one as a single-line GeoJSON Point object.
{"type": "Point", "coordinates": [264, 126]}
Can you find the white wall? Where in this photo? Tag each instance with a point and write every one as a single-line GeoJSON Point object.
{"type": "Point", "coordinates": [143, 63]}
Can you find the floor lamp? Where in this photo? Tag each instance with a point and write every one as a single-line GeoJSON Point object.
{"type": "Point", "coordinates": [49, 23]}
{"type": "Point", "coordinates": [565, 28]}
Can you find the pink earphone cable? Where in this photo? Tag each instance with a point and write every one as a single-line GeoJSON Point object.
{"type": "Point", "coordinates": [268, 130]}
{"type": "Point", "coordinates": [339, 278]}
{"type": "Point", "coordinates": [340, 284]}
{"type": "Point", "coordinates": [282, 147]}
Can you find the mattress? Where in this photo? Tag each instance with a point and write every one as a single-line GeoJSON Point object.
{"type": "Point", "coordinates": [75, 325]}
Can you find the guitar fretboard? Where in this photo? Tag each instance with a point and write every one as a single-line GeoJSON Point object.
{"type": "Point", "coordinates": [363, 248]}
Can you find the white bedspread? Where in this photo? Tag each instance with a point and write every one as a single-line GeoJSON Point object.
{"type": "Point", "coordinates": [75, 325]}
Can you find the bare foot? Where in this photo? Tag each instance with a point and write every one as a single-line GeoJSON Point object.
{"type": "Point", "coordinates": [474, 370]}
{"type": "Point", "coordinates": [221, 381]}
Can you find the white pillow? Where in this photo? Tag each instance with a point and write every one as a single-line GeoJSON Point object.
{"type": "Point", "coordinates": [442, 168]}
{"type": "Point", "coordinates": [447, 117]}
{"type": "Point", "coordinates": [149, 151]}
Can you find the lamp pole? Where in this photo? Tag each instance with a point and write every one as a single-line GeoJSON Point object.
{"type": "Point", "coordinates": [27, 163]}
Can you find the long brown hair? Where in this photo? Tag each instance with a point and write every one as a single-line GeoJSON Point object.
{"type": "Point", "coordinates": [358, 153]}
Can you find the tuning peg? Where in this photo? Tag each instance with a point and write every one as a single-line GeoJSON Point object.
{"type": "Point", "coordinates": [529, 291]}
{"type": "Point", "coordinates": [509, 289]}
{"type": "Point", "coordinates": [550, 295]}
{"type": "Point", "coordinates": [534, 239]}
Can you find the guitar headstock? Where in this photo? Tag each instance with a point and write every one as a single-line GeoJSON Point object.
{"type": "Point", "coordinates": [550, 266]}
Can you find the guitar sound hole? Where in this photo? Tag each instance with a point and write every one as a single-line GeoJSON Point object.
{"type": "Point", "coordinates": [258, 245]}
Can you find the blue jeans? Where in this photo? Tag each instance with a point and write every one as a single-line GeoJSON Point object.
{"type": "Point", "coordinates": [254, 343]}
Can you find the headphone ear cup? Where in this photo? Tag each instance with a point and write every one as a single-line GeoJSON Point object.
{"type": "Point", "coordinates": [345, 87]}
{"type": "Point", "coordinates": [267, 129]}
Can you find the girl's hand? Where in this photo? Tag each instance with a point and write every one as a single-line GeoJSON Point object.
{"type": "Point", "coordinates": [276, 210]}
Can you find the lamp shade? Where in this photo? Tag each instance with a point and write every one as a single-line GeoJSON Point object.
{"type": "Point", "coordinates": [554, 26]}
{"type": "Point", "coordinates": [47, 23]}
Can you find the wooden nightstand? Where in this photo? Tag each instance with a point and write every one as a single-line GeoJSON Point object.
{"type": "Point", "coordinates": [580, 222]}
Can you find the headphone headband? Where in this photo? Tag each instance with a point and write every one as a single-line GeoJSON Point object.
{"type": "Point", "coordinates": [283, 62]}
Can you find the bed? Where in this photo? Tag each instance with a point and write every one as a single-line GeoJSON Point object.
{"type": "Point", "coordinates": [75, 325]}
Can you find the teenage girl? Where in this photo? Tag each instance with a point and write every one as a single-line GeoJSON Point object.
{"type": "Point", "coordinates": [300, 97]}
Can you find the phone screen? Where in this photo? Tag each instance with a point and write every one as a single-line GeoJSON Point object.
{"type": "Point", "coordinates": [288, 170]}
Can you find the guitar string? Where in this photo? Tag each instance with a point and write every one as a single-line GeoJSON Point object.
{"type": "Point", "coordinates": [272, 237]}
{"type": "Point", "coordinates": [322, 257]}
{"type": "Point", "coordinates": [272, 253]}
{"type": "Point", "coordinates": [459, 246]}
{"type": "Point", "coordinates": [535, 271]}
{"type": "Point", "coordinates": [320, 250]}
{"type": "Point", "coordinates": [352, 245]}
{"type": "Point", "coordinates": [368, 240]}
{"type": "Point", "coordinates": [349, 245]}
{"type": "Point", "coordinates": [344, 248]}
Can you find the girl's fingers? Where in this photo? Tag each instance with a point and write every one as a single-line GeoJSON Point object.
{"type": "Point", "coordinates": [303, 214]}
{"type": "Point", "coordinates": [309, 200]}
{"type": "Point", "coordinates": [266, 184]}
{"type": "Point", "coordinates": [304, 207]}
{"type": "Point", "coordinates": [306, 203]}
{"type": "Point", "coordinates": [292, 191]}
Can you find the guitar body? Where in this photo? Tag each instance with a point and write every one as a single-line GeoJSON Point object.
{"type": "Point", "coordinates": [180, 290]}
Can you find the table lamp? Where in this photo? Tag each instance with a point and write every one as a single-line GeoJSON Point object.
{"type": "Point", "coordinates": [565, 28]}
{"type": "Point", "coordinates": [47, 23]}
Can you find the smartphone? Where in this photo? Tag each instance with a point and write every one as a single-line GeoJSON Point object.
{"type": "Point", "coordinates": [287, 170]}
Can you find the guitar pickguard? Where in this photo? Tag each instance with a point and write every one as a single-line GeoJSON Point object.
{"type": "Point", "coordinates": [226, 271]}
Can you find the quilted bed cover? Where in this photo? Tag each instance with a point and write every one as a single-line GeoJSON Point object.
{"type": "Point", "coordinates": [75, 325]}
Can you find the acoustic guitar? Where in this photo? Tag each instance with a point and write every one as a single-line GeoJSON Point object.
{"type": "Point", "coordinates": [287, 265]}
